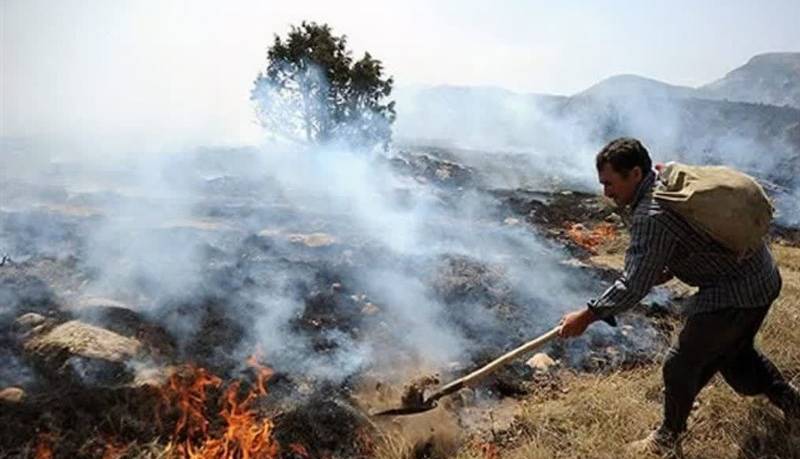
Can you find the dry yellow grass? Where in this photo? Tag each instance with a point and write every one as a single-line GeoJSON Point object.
{"type": "Point", "coordinates": [599, 414]}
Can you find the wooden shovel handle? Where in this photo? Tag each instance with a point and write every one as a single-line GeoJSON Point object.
{"type": "Point", "coordinates": [487, 369]}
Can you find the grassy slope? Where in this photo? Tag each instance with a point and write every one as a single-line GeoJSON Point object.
{"type": "Point", "coordinates": [600, 413]}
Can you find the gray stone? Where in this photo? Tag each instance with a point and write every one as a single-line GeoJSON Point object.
{"type": "Point", "coordinates": [86, 353]}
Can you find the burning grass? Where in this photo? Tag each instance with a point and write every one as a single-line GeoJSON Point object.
{"type": "Point", "coordinates": [591, 239]}
{"type": "Point", "coordinates": [209, 410]}
{"type": "Point", "coordinates": [200, 415]}
{"type": "Point", "coordinates": [243, 435]}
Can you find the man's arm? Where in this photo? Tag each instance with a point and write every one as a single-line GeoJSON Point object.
{"type": "Point", "coordinates": [645, 262]}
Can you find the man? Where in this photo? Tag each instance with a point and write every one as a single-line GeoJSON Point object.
{"type": "Point", "coordinates": [733, 298]}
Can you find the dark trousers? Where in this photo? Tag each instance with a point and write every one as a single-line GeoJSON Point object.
{"type": "Point", "coordinates": [720, 341]}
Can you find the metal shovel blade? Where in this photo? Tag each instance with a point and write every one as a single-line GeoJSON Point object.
{"type": "Point", "coordinates": [406, 410]}
{"type": "Point", "coordinates": [430, 402]}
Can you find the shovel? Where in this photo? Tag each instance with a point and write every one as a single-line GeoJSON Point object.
{"type": "Point", "coordinates": [425, 404]}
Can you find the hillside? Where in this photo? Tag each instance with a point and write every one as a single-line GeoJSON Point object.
{"type": "Point", "coordinates": [772, 78]}
{"type": "Point", "coordinates": [636, 86]}
{"type": "Point", "coordinates": [674, 123]}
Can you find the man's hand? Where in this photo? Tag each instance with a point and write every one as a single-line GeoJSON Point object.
{"type": "Point", "coordinates": [575, 323]}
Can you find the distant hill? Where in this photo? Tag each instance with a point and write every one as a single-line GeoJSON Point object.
{"type": "Point", "coordinates": [634, 85]}
{"type": "Point", "coordinates": [772, 78]}
{"type": "Point", "coordinates": [706, 124]}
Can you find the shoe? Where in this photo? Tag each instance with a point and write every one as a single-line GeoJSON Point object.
{"type": "Point", "coordinates": [657, 444]}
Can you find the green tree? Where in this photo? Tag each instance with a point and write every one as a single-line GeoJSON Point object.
{"type": "Point", "coordinates": [313, 91]}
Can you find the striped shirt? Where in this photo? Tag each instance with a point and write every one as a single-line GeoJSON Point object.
{"type": "Point", "coordinates": [663, 240]}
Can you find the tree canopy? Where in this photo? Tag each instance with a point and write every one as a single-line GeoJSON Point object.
{"type": "Point", "coordinates": [313, 91]}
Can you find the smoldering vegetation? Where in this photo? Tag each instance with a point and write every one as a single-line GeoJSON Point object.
{"type": "Point", "coordinates": [346, 273]}
{"type": "Point", "coordinates": [334, 268]}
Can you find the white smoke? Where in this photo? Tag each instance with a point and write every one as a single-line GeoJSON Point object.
{"type": "Point", "coordinates": [355, 197]}
{"type": "Point", "coordinates": [174, 228]}
{"type": "Point", "coordinates": [558, 136]}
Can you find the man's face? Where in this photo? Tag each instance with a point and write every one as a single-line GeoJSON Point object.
{"type": "Point", "coordinates": [618, 187]}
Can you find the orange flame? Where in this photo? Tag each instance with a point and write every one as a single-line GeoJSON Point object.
{"type": "Point", "coordinates": [244, 435]}
{"type": "Point", "coordinates": [299, 450]}
{"type": "Point", "coordinates": [263, 374]}
{"type": "Point", "coordinates": [490, 451]}
{"type": "Point", "coordinates": [187, 390]}
{"type": "Point", "coordinates": [113, 449]}
{"type": "Point", "coordinates": [591, 239]}
{"type": "Point", "coordinates": [43, 448]}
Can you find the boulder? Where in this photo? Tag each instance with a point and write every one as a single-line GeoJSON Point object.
{"type": "Point", "coordinates": [124, 320]}
{"type": "Point", "coordinates": [86, 353]}
{"type": "Point", "coordinates": [12, 395]}
{"type": "Point", "coordinates": [312, 240]}
{"type": "Point", "coordinates": [541, 362]}
{"type": "Point", "coordinates": [32, 323]}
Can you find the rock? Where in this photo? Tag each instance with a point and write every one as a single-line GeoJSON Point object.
{"type": "Point", "coordinates": [541, 362]}
{"type": "Point", "coordinates": [153, 376]}
{"type": "Point", "coordinates": [312, 240]}
{"type": "Point", "coordinates": [87, 341]}
{"type": "Point", "coordinates": [575, 263]}
{"type": "Point", "coordinates": [425, 167]}
{"type": "Point", "coordinates": [269, 233]}
{"type": "Point", "coordinates": [30, 324]}
{"type": "Point", "coordinates": [614, 218]}
{"type": "Point", "coordinates": [99, 301]}
{"type": "Point", "coordinates": [195, 224]}
{"type": "Point", "coordinates": [12, 395]}
{"type": "Point", "coordinates": [29, 320]}
{"type": "Point", "coordinates": [369, 309]}
{"type": "Point", "coordinates": [122, 319]}
{"type": "Point", "coordinates": [443, 173]}
{"type": "Point", "coordinates": [88, 353]}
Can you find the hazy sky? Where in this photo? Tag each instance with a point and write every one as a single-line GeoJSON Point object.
{"type": "Point", "coordinates": [166, 74]}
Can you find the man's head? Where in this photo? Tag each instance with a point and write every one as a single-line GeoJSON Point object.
{"type": "Point", "coordinates": [621, 165]}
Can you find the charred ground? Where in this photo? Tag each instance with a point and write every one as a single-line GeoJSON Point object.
{"type": "Point", "coordinates": [85, 370]}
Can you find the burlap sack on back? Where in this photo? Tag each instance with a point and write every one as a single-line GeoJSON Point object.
{"type": "Point", "coordinates": [729, 205]}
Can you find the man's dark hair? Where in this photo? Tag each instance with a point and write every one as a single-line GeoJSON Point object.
{"type": "Point", "coordinates": [624, 154]}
